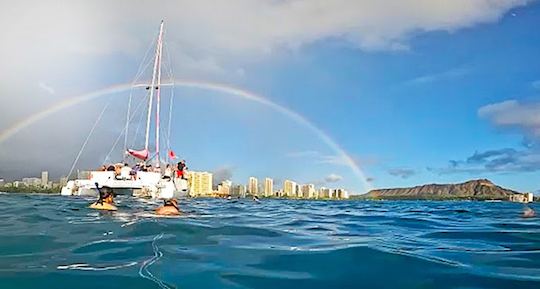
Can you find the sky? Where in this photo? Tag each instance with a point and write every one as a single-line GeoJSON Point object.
{"type": "Point", "coordinates": [354, 94]}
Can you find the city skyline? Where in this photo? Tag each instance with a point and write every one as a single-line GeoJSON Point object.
{"type": "Point", "coordinates": [201, 185]}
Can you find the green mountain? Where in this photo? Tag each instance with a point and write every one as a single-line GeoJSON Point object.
{"type": "Point", "coordinates": [482, 189]}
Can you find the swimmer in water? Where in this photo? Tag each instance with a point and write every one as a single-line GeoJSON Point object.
{"type": "Point", "coordinates": [528, 213]}
{"type": "Point", "coordinates": [169, 208]}
{"type": "Point", "coordinates": [105, 200]}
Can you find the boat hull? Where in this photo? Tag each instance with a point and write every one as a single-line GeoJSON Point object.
{"type": "Point", "coordinates": [144, 185]}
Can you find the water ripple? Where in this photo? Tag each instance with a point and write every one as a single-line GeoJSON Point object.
{"type": "Point", "coordinates": [285, 244]}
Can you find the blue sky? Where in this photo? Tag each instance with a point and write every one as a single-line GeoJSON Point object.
{"type": "Point", "coordinates": [418, 95]}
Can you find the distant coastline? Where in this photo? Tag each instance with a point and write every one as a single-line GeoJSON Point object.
{"type": "Point", "coordinates": [479, 190]}
{"type": "Point", "coordinates": [30, 190]}
{"type": "Point", "coordinates": [474, 190]}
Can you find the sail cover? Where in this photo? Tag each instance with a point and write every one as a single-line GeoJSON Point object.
{"type": "Point", "coordinates": [142, 155]}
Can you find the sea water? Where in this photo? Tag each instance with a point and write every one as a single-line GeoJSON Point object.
{"type": "Point", "coordinates": [57, 242]}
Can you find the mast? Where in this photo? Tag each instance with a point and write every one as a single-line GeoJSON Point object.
{"type": "Point", "coordinates": [158, 88]}
{"type": "Point", "coordinates": [156, 63]}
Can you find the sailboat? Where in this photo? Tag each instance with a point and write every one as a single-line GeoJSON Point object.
{"type": "Point", "coordinates": [140, 183]}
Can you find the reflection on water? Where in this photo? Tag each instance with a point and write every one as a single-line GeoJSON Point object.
{"type": "Point", "coordinates": [55, 242]}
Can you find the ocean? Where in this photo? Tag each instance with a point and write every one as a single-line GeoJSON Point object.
{"type": "Point", "coordinates": [57, 242]}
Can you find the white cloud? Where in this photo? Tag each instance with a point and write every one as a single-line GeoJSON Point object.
{"type": "Point", "coordinates": [512, 114]}
{"type": "Point", "coordinates": [303, 154]}
{"type": "Point", "coordinates": [209, 39]}
{"type": "Point", "coordinates": [211, 32]}
{"type": "Point", "coordinates": [338, 160]}
{"type": "Point", "coordinates": [333, 178]}
{"type": "Point", "coordinates": [47, 88]}
{"type": "Point", "coordinates": [403, 173]}
{"type": "Point", "coordinates": [440, 76]}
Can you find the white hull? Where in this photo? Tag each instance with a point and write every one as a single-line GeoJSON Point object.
{"type": "Point", "coordinates": [147, 184]}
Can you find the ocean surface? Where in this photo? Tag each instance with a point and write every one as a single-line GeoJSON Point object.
{"type": "Point", "coordinates": [57, 242]}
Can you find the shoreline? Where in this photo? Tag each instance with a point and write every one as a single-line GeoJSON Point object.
{"type": "Point", "coordinates": [48, 192]}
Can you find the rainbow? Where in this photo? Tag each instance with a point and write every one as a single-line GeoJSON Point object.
{"type": "Point", "coordinates": [218, 87]}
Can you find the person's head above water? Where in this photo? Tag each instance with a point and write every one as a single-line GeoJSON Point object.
{"type": "Point", "coordinates": [170, 207]}
{"type": "Point", "coordinates": [528, 213]}
{"type": "Point", "coordinates": [105, 200]}
{"type": "Point", "coordinates": [106, 194]}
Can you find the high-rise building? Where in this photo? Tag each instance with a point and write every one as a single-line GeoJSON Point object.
{"type": "Point", "coordinates": [325, 193]}
{"type": "Point", "coordinates": [227, 183]}
{"type": "Point", "coordinates": [289, 188]}
{"type": "Point", "coordinates": [200, 183]}
{"type": "Point", "coordinates": [268, 187]}
{"type": "Point", "coordinates": [308, 191]}
{"type": "Point", "coordinates": [340, 194]}
{"type": "Point", "coordinates": [44, 178]}
{"type": "Point", "coordinates": [239, 191]}
{"type": "Point", "coordinates": [529, 197]}
{"type": "Point", "coordinates": [298, 191]}
{"type": "Point", "coordinates": [31, 181]}
{"type": "Point", "coordinates": [253, 186]}
{"type": "Point", "coordinates": [332, 194]}
{"type": "Point", "coordinates": [225, 188]}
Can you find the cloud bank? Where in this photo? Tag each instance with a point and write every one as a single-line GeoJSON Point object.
{"type": "Point", "coordinates": [403, 173]}
{"type": "Point", "coordinates": [208, 33]}
{"type": "Point", "coordinates": [507, 116]}
{"type": "Point", "coordinates": [333, 178]}
{"type": "Point", "coordinates": [511, 114]}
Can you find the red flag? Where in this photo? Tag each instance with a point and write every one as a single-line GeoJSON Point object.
{"type": "Point", "coordinates": [172, 155]}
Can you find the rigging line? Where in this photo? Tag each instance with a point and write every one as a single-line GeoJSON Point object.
{"type": "Point", "coordinates": [137, 131]}
{"type": "Point", "coordinates": [151, 90]}
{"type": "Point", "coordinates": [122, 132]}
{"type": "Point", "coordinates": [129, 105]}
{"type": "Point", "coordinates": [140, 70]}
{"type": "Point", "coordinates": [171, 78]}
{"type": "Point", "coordinates": [87, 139]}
{"type": "Point", "coordinates": [127, 119]}
{"type": "Point", "coordinates": [138, 75]}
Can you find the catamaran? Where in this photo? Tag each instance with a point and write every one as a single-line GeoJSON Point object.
{"type": "Point", "coordinates": [154, 183]}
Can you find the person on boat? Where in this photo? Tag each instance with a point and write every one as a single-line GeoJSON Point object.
{"type": "Point", "coordinates": [133, 173]}
{"type": "Point", "coordinates": [147, 167]}
{"type": "Point", "coordinates": [111, 168]}
{"type": "Point", "coordinates": [142, 167]}
{"type": "Point", "coordinates": [117, 169]}
{"type": "Point", "coordinates": [169, 208]}
{"type": "Point", "coordinates": [181, 169]}
{"type": "Point", "coordinates": [103, 168]}
{"type": "Point", "coordinates": [125, 172]}
{"type": "Point", "coordinates": [105, 200]}
{"type": "Point", "coordinates": [167, 175]}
